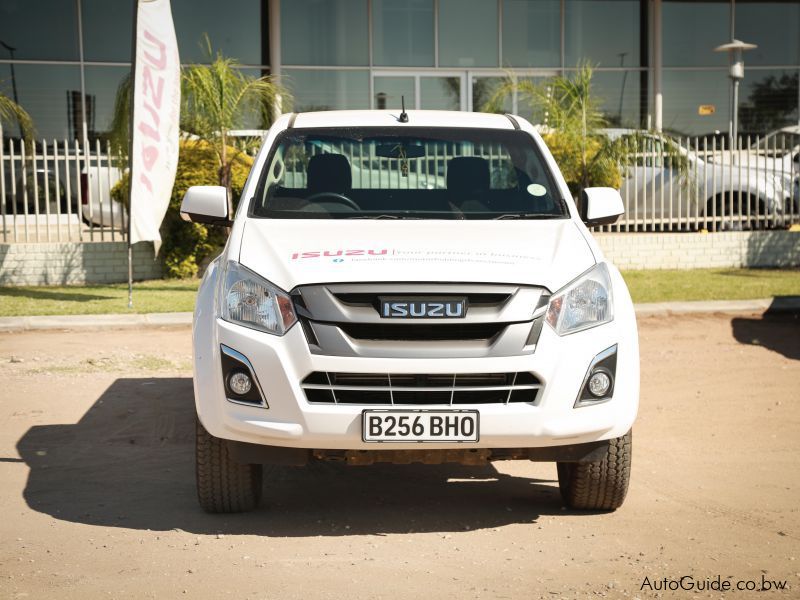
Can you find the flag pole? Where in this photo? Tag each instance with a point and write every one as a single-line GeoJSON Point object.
{"type": "Point", "coordinates": [130, 150]}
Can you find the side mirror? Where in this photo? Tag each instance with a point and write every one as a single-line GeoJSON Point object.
{"type": "Point", "coordinates": [601, 206]}
{"type": "Point", "coordinates": [206, 204]}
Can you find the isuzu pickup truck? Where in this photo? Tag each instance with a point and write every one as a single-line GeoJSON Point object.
{"type": "Point", "coordinates": [411, 287]}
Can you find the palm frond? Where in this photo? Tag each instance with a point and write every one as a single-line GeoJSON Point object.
{"type": "Point", "coordinates": [13, 113]}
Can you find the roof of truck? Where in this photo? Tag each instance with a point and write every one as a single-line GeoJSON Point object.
{"type": "Point", "coordinates": [389, 118]}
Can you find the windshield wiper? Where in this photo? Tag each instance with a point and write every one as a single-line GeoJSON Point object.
{"type": "Point", "coordinates": [382, 217]}
{"type": "Point", "coordinates": [529, 216]}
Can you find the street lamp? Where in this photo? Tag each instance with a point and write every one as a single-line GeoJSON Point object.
{"type": "Point", "coordinates": [735, 48]}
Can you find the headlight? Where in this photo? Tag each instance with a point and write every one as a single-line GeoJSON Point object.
{"type": "Point", "coordinates": [584, 303]}
{"type": "Point", "coordinates": [250, 300]}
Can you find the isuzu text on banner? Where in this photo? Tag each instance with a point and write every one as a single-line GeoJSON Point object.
{"type": "Point", "coordinates": [156, 116]}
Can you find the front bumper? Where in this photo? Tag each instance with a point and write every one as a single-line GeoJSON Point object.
{"type": "Point", "coordinates": [281, 363]}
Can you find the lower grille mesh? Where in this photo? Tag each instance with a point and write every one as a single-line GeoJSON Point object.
{"type": "Point", "coordinates": [420, 389]}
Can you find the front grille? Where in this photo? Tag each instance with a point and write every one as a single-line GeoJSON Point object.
{"type": "Point", "coordinates": [418, 331]}
{"type": "Point", "coordinates": [344, 319]}
{"type": "Point", "coordinates": [420, 389]}
{"type": "Point", "coordinates": [473, 299]}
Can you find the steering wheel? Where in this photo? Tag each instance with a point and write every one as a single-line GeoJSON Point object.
{"type": "Point", "coordinates": [334, 197]}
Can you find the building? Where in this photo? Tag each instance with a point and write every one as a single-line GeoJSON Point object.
{"type": "Point", "coordinates": [654, 59]}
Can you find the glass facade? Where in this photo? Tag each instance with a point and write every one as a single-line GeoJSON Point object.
{"type": "Point", "coordinates": [604, 33]}
{"type": "Point", "coordinates": [531, 33]}
{"type": "Point", "coordinates": [328, 89]}
{"type": "Point", "coordinates": [403, 33]}
{"type": "Point", "coordinates": [324, 32]}
{"type": "Point", "coordinates": [434, 53]}
{"type": "Point", "coordinates": [468, 33]}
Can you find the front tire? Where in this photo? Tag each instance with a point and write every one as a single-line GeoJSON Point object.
{"type": "Point", "coordinates": [223, 485]}
{"type": "Point", "coordinates": [598, 485]}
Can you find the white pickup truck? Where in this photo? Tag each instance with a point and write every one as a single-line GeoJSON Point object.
{"type": "Point", "coordinates": [385, 318]}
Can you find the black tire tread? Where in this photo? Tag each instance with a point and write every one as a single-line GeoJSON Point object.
{"type": "Point", "coordinates": [599, 485]}
{"type": "Point", "coordinates": [223, 485]}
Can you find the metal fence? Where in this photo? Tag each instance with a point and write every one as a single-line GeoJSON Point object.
{"type": "Point", "coordinates": [692, 184]}
{"type": "Point", "coordinates": [59, 191]}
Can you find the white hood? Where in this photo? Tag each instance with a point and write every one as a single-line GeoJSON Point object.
{"type": "Point", "coordinates": [294, 252]}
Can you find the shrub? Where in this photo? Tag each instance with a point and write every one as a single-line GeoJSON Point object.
{"type": "Point", "coordinates": [601, 167]}
{"type": "Point", "coordinates": [188, 247]}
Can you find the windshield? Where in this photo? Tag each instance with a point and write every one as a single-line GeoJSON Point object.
{"type": "Point", "coordinates": [412, 173]}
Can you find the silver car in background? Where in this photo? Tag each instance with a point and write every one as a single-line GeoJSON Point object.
{"type": "Point", "coordinates": [668, 185]}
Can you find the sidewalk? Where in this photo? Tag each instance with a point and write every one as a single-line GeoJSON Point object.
{"type": "Point", "coordinates": [178, 319]}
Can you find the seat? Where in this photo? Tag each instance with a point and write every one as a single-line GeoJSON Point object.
{"type": "Point", "coordinates": [329, 173]}
{"type": "Point", "coordinates": [468, 181]}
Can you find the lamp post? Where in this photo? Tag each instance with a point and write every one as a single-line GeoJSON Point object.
{"type": "Point", "coordinates": [735, 48]}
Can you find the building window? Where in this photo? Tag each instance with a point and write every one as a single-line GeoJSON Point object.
{"type": "Point", "coordinates": [774, 27]}
{"type": "Point", "coordinates": [531, 33]}
{"type": "Point", "coordinates": [41, 30]}
{"type": "Point", "coordinates": [234, 29]}
{"type": "Point", "coordinates": [603, 32]}
{"type": "Point", "coordinates": [691, 31]}
{"type": "Point", "coordinates": [324, 32]}
{"type": "Point", "coordinates": [685, 91]}
{"type": "Point", "coordinates": [51, 94]}
{"type": "Point", "coordinates": [619, 94]}
{"type": "Point", "coordinates": [402, 33]}
{"type": "Point", "coordinates": [468, 33]}
{"type": "Point", "coordinates": [107, 30]}
{"type": "Point", "coordinates": [328, 89]}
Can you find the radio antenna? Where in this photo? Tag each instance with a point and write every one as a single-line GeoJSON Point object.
{"type": "Point", "coordinates": [403, 118]}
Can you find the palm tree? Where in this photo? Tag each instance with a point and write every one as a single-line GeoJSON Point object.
{"type": "Point", "coordinates": [215, 98]}
{"type": "Point", "coordinates": [574, 128]}
{"type": "Point", "coordinates": [219, 97]}
{"type": "Point", "coordinates": [11, 112]}
{"type": "Point", "coordinates": [573, 124]}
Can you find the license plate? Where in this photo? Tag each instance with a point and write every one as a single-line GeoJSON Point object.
{"type": "Point", "coordinates": [420, 426]}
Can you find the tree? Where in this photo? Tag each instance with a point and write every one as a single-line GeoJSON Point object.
{"type": "Point", "coordinates": [574, 128]}
{"type": "Point", "coordinates": [772, 104]}
{"type": "Point", "coordinates": [573, 125]}
{"type": "Point", "coordinates": [215, 99]}
{"type": "Point", "coordinates": [11, 112]}
{"type": "Point", "coordinates": [219, 97]}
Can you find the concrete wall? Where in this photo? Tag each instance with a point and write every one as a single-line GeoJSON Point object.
{"type": "Point", "coordinates": [701, 250]}
{"type": "Point", "coordinates": [73, 263]}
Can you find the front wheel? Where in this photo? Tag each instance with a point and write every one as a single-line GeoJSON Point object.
{"type": "Point", "coordinates": [223, 485]}
{"type": "Point", "coordinates": [598, 485]}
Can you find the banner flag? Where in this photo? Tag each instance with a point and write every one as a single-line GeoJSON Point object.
{"type": "Point", "coordinates": [155, 119]}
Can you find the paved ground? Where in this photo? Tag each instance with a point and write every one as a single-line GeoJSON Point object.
{"type": "Point", "coordinates": [97, 491]}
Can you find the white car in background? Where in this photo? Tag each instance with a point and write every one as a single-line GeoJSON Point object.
{"type": "Point", "coordinates": [98, 208]}
{"type": "Point", "coordinates": [397, 323]}
{"type": "Point", "coordinates": [665, 180]}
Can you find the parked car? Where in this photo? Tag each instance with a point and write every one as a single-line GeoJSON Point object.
{"type": "Point", "coordinates": [397, 323]}
{"type": "Point", "coordinates": [665, 180]}
{"type": "Point", "coordinates": [97, 206]}
{"type": "Point", "coordinates": [88, 197]}
{"type": "Point", "coordinates": [776, 152]}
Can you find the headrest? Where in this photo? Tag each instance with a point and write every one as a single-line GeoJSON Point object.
{"type": "Point", "coordinates": [468, 174]}
{"type": "Point", "coordinates": [329, 173]}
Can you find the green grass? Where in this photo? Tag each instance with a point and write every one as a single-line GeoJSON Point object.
{"type": "Point", "coordinates": [712, 284]}
{"type": "Point", "coordinates": [168, 295]}
{"type": "Point", "coordinates": [173, 295]}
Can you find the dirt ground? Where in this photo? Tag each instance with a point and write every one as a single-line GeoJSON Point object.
{"type": "Point", "coordinates": [97, 494]}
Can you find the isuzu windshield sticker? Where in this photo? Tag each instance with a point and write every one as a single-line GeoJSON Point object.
{"type": "Point", "coordinates": [535, 189]}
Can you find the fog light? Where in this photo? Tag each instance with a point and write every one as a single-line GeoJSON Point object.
{"type": "Point", "coordinates": [599, 383]}
{"type": "Point", "coordinates": [240, 383]}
